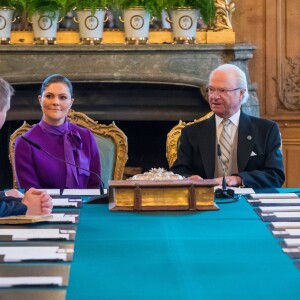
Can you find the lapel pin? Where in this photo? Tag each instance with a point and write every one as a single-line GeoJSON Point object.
{"type": "Point", "coordinates": [249, 137]}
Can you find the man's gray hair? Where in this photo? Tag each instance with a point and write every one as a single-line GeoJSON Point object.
{"type": "Point", "coordinates": [6, 91]}
{"type": "Point", "coordinates": [240, 76]}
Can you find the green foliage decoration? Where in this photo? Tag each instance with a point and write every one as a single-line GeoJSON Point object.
{"type": "Point", "coordinates": [207, 8]}
{"type": "Point", "coordinates": [154, 7]}
{"type": "Point", "coordinates": [6, 3]}
{"type": "Point", "coordinates": [91, 4]}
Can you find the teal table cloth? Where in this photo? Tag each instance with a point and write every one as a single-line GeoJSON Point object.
{"type": "Point", "coordinates": [225, 254]}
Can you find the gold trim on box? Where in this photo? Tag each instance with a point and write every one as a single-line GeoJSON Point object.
{"type": "Point", "coordinates": [5, 41]}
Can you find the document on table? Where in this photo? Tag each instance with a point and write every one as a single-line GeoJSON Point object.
{"type": "Point", "coordinates": [44, 274]}
{"type": "Point", "coordinates": [277, 201]}
{"type": "Point", "coordinates": [66, 202]}
{"type": "Point", "coordinates": [52, 192]}
{"type": "Point", "coordinates": [286, 232]}
{"type": "Point", "coordinates": [293, 252]}
{"type": "Point", "coordinates": [82, 192]}
{"type": "Point", "coordinates": [279, 216]}
{"type": "Point", "coordinates": [32, 253]}
{"type": "Point", "coordinates": [25, 219]}
{"type": "Point", "coordinates": [65, 218]}
{"type": "Point", "coordinates": [274, 196]}
{"type": "Point", "coordinates": [265, 209]}
{"type": "Point", "coordinates": [21, 234]}
{"type": "Point", "coordinates": [285, 225]}
{"type": "Point", "coordinates": [30, 281]}
{"type": "Point", "coordinates": [291, 242]}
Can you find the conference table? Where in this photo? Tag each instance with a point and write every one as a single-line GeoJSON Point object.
{"type": "Point", "coordinates": [224, 254]}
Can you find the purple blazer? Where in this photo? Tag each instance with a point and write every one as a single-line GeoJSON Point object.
{"type": "Point", "coordinates": [68, 142]}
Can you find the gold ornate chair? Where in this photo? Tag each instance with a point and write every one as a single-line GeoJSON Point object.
{"type": "Point", "coordinates": [111, 141]}
{"type": "Point", "coordinates": [174, 135]}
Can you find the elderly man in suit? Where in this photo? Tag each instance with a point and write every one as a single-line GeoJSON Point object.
{"type": "Point", "coordinates": [12, 202]}
{"type": "Point", "coordinates": [246, 148]}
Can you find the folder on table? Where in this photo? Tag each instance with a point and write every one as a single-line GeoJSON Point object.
{"type": "Point", "coordinates": [65, 217]}
{"type": "Point", "coordinates": [274, 202]}
{"type": "Point", "coordinates": [34, 275]}
{"type": "Point", "coordinates": [292, 252]}
{"type": "Point", "coordinates": [25, 219]}
{"type": "Point", "coordinates": [277, 216]}
{"type": "Point", "coordinates": [273, 195]}
{"type": "Point", "coordinates": [286, 233]}
{"type": "Point", "coordinates": [33, 294]}
{"type": "Point", "coordinates": [35, 251]}
{"type": "Point", "coordinates": [67, 202]}
{"type": "Point", "coordinates": [27, 234]}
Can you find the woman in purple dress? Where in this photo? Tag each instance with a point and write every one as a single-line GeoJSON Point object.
{"type": "Point", "coordinates": [59, 141]}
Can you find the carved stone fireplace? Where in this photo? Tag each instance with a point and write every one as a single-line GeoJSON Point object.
{"type": "Point", "coordinates": [145, 89]}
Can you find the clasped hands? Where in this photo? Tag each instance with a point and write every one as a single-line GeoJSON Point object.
{"type": "Point", "coordinates": [230, 180]}
{"type": "Point", "coordinates": [38, 202]}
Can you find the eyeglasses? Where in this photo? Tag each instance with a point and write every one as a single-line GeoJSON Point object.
{"type": "Point", "coordinates": [211, 90]}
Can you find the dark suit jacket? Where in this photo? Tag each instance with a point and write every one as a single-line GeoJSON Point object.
{"type": "Point", "coordinates": [11, 206]}
{"type": "Point", "coordinates": [196, 153]}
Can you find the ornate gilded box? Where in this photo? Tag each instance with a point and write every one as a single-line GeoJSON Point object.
{"type": "Point", "coordinates": [161, 195]}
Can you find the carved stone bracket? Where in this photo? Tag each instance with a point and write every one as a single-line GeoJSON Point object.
{"type": "Point", "coordinates": [289, 95]}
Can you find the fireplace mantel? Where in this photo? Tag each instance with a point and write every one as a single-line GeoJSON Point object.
{"type": "Point", "coordinates": [163, 64]}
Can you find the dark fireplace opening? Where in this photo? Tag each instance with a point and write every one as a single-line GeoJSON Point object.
{"type": "Point", "coordinates": [145, 112]}
{"type": "Point", "coordinates": [119, 101]}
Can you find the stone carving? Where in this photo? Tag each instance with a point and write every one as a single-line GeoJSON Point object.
{"type": "Point", "coordinates": [289, 96]}
{"type": "Point", "coordinates": [224, 13]}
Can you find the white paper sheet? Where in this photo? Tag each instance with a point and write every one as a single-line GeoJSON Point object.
{"type": "Point", "coordinates": [291, 250]}
{"type": "Point", "coordinates": [82, 192]}
{"type": "Point", "coordinates": [291, 232]}
{"type": "Point", "coordinates": [276, 201]}
{"type": "Point", "coordinates": [31, 280]}
{"type": "Point", "coordinates": [68, 218]}
{"type": "Point", "coordinates": [274, 196]}
{"type": "Point", "coordinates": [292, 242]}
{"type": "Point", "coordinates": [19, 253]}
{"type": "Point", "coordinates": [65, 202]}
{"type": "Point", "coordinates": [280, 225]}
{"type": "Point", "coordinates": [278, 208]}
{"type": "Point", "coordinates": [52, 192]}
{"type": "Point", "coordinates": [25, 234]}
{"type": "Point", "coordinates": [282, 214]}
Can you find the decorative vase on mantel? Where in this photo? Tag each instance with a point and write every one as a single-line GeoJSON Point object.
{"type": "Point", "coordinates": [44, 27]}
{"type": "Point", "coordinates": [184, 24]}
{"type": "Point", "coordinates": [6, 18]}
{"type": "Point", "coordinates": [91, 25]}
{"type": "Point", "coordinates": [136, 24]}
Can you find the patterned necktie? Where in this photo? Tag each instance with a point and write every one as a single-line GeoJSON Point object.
{"type": "Point", "coordinates": [225, 143]}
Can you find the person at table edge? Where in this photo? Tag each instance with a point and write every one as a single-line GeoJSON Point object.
{"type": "Point", "coordinates": [12, 202]}
{"type": "Point", "coordinates": [256, 160]}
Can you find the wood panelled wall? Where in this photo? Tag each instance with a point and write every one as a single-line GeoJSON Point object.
{"type": "Point", "coordinates": [273, 26]}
